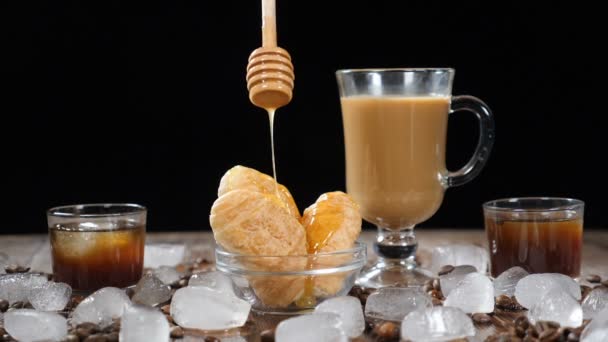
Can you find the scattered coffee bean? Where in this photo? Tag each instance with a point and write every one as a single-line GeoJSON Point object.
{"type": "Point", "coordinates": [111, 337]}
{"type": "Point", "coordinates": [4, 305]}
{"type": "Point", "coordinates": [267, 335]}
{"type": "Point", "coordinates": [594, 278]}
{"type": "Point", "coordinates": [177, 332]}
{"type": "Point", "coordinates": [212, 339]}
{"type": "Point", "coordinates": [437, 284]}
{"type": "Point", "coordinates": [130, 292]}
{"type": "Point", "coordinates": [436, 294]}
{"type": "Point", "coordinates": [549, 335]}
{"type": "Point", "coordinates": [16, 269]}
{"type": "Point", "coordinates": [17, 305]}
{"type": "Point", "coordinates": [445, 269]}
{"type": "Point", "coordinates": [522, 322]}
{"type": "Point", "coordinates": [96, 338]}
{"type": "Point", "coordinates": [531, 331]}
{"type": "Point", "coordinates": [437, 302]}
{"type": "Point", "coordinates": [481, 318]}
{"type": "Point", "coordinates": [386, 330]}
{"type": "Point", "coordinates": [585, 291]}
{"type": "Point", "coordinates": [572, 337]}
{"type": "Point", "coordinates": [166, 309]}
{"type": "Point", "coordinates": [507, 303]}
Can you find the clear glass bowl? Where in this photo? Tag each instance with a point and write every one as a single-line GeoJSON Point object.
{"type": "Point", "coordinates": [291, 284]}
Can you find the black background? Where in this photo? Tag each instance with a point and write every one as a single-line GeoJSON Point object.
{"type": "Point", "coordinates": [117, 101]}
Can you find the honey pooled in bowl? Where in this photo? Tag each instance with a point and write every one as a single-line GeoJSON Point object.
{"type": "Point", "coordinates": [256, 216]}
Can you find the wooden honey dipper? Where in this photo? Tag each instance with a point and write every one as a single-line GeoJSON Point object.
{"type": "Point", "coordinates": [270, 77]}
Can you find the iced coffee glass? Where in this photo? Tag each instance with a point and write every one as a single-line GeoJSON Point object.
{"type": "Point", "coordinates": [395, 125]}
{"type": "Point", "coordinates": [97, 245]}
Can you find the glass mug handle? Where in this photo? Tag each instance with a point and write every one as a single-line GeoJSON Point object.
{"type": "Point", "coordinates": [484, 144]}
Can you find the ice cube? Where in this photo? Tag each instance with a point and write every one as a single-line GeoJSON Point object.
{"type": "Point", "coordinates": [320, 327]}
{"type": "Point", "coordinates": [460, 254]}
{"type": "Point", "coordinates": [17, 287]}
{"type": "Point", "coordinates": [595, 302]}
{"type": "Point", "coordinates": [41, 262]}
{"type": "Point", "coordinates": [75, 244]}
{"type": "Point", "coordinates": [558, 306]}
{"type": "Point", "coordinates": [215, 280]}
{"type": "Point", "coordinates": [151, 291]}
{"type": "Point", "coordinates": [475, 293]}
{"type": "Point", "coordinates": [350, 312]}
{"type": "Point", "coordinates": [50, 296]}
{"type": "Point", "coordinates": [163, 254]}
{"type": "Point", "coordinates": [597, 329]}
{"type": "Point", "coordinates": [167, 274]}
{"type": "Point", "coordinates": [221, 310]}
{"type": "Point", "coordinates": [143, 324]}
{"type": "Point", "coordinates": [436, 324]}
{"type": "Point", "coordinates": [505, 283]}
{"type": "Point", "coordinates": [394, 303]}
{"type": "Point", "coordinates": [32, 325]}
{"type": "Point", "coordinates": [450, 280]}
{"type": "Point", "coordinates": [530, 289]}
{"type": "Point", "coordinates": [101, 307]}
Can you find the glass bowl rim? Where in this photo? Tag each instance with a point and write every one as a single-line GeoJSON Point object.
{"type": "Point", "coordinates": [68, 210]}
{"type": "Point", "coordinates": [233, 268]}
{"type": "Point", "coordinates": [566, 203]}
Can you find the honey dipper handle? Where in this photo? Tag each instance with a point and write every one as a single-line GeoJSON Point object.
{"type": "Point", "coordinates": [269, 24]}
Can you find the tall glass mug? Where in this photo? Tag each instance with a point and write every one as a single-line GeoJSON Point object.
{"type": "Point", "coordinates": [395, 126]}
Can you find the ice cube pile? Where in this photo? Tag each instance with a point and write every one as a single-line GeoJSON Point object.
{"type": "Point", "coordinates": [466, 289]}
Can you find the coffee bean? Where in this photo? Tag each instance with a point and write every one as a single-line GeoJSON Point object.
{"type": "Point", "coordinates": [437, 284]}
{"type": "Point", "coordinates": [529, 339]}
{"type": "Point", "coordinates": [212, 339]}
{"type": "Point", "coordinates": [177, 332]}
{"type": "Point", "coordinates": [507, 303]}
{"type": "Point", "coordinates": [17, 305]}
{"type": "Point", "coordinates": [445, 269]}
{"type": "Point", "coordinates": [16, 269]}
{"type": "Point", "coordinates": [7, 338]}
{"type": "Point", "coordinates": [585, 291]}
{"type": "Point", "coordinates": [594, 278]}
{"type": "Point", "coordinates": [267, 336]}
{"type": "Point", "coordinates": [435, 294]}
{"type": "Point", "coordinates": [532, 331]}
{"type": "Point", "coordinates": [522, 322]}
{"type": "Point", "coordinates": [111, 337]}
{"type": "Point", "coordinates": [387, 330]}
{"type": "Point", "coordinates": [166, 309]}
{"type": "Point", "coordinates": [573, 337]}
{"type": "Point", "coordinates": [88, 326]}
{"type": "Point", "coordinates": [71, 338]}
{"type": "Point", "coordinates": [130, 292]}
{"type": "Point", "coordinates": [96, 338]}
{"type": "Point", "coordinates": [4, 305]}
{"type": "Point", "coordinates": [549, 335]}
{"type": "Point", "coordinates": [481, 318]}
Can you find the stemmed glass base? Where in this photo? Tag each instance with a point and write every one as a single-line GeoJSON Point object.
{"type": "Point", "coordinates": [396, 265]}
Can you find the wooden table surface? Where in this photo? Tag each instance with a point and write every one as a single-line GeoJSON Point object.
{"type": "Point", "coordinates": [34, 249]}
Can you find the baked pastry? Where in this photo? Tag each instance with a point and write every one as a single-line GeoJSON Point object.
{"type": "Point", "coordinates": [332, 223]}
{"type": "Point", "coordinates": [245, 178]}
